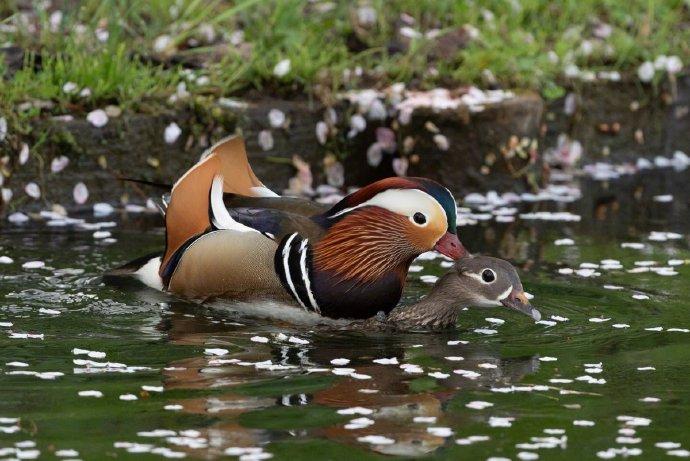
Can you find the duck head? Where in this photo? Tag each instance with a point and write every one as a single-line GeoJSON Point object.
{"type": "Point", "coordinates": [483, 281]}
{"type": "Point", "coordinates": [475, 281]}
{"type": "Point", "coordinates": [419, 212]}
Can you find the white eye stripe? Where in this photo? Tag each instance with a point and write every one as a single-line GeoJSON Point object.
{"type": "Point", "coordinates": [472, 275]}
{"type": "Point", "coordinates": [405, 202]}
{"type": "Point", "coordinates": [479, 277]}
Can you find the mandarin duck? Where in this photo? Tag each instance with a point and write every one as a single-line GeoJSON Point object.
{"type": "Point", "coordinates": [475, 281]}
{"type": "Point", "coordinates": [229, 236]}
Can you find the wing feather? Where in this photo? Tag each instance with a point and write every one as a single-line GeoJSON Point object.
{"type": "Point", "coordinates": [187, 213]}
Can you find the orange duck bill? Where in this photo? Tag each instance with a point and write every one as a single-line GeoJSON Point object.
{"type": "Point", "coordinates": [449, 245]}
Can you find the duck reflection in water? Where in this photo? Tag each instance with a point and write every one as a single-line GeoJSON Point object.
{"type": "Point", "coordinates": [282, 373]}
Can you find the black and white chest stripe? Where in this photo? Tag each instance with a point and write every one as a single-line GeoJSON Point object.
{"type": "Point", "coordinates": [293, 266]}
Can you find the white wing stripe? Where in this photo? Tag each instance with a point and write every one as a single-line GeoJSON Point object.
{"type": "Point", "coordinates": [286, 268]}
{"type": "Point", "coordinates": [220, 216]}
{"type": "Point", "coordinates": [262, 191]}
{"type": "Point", "coordinates": [305, 275]}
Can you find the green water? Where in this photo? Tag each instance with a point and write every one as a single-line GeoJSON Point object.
{"type": "Point", "coordinates": [291, 412]}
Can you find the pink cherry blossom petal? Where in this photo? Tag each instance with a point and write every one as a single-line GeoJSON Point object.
{"type": "Point", "coordinates": [24, 154]}
{"type": "Point", "coordinates": [266, 139]}
{"type": "Point", "coordinates": [322, 132]}
{"type": "Point", "coordinates": [80, 193]}
{"type": "Point", "coordinates": [172, 133]}
{"type": "Point", "coordinates": [32, 190]}
{"type": "Point", "coordinates": [400, 166]}
{"type": "Point", "coordinates": [97, 118]}
{"type": "Point", "coordinates": [58, 164]}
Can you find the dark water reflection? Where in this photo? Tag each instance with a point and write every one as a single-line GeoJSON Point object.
{"type": "Point", "coordinates": [463, 393]}
{"type": "Point", "coordinates": [386, 388]}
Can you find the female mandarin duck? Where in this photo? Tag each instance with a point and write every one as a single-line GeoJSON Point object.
{"type": "Point", "coordinates": [475, 281]}
{"type": "Point", "coordinates": [229, 236]}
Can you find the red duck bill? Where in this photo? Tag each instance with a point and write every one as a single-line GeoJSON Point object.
{"type": "Point", "coordinates": [449, 245]}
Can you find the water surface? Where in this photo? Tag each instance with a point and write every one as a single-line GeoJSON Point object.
{"type": "Point", "coordinates": [606, 375]}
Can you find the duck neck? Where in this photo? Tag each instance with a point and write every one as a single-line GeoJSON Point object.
{"type": "Point", "coordinates": [365, 246]}
{"type": "Point", "coordinates": [439, 309]}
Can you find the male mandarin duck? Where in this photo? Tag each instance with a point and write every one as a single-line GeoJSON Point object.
{"type": "Point", "coordinates": [229, 236]}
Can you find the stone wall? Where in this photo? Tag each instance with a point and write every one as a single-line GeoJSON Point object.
{"type": "Point", "coordinates": [497, 148]}
{"type": "Point", "coordinates": [133, 146]}
{"type": "Point", "coordinates": [622, 121]}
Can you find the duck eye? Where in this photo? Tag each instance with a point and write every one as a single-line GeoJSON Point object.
{"type": "Point", "coordinates": [488, 275]}
{"type": "Point", "coordinates": [419, 218]}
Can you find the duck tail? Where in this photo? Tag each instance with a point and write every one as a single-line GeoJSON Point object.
{"type": "Point", "coordinates": [143, 270]}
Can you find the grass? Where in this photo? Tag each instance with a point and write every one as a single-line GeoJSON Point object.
{"type": "Point", "coordinates": [110, 74]}
{"type": "Point", "coordinates": [234, 46]}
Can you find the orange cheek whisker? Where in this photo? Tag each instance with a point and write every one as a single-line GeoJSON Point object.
{"type": "Point", "coordinates": [366, 245]}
